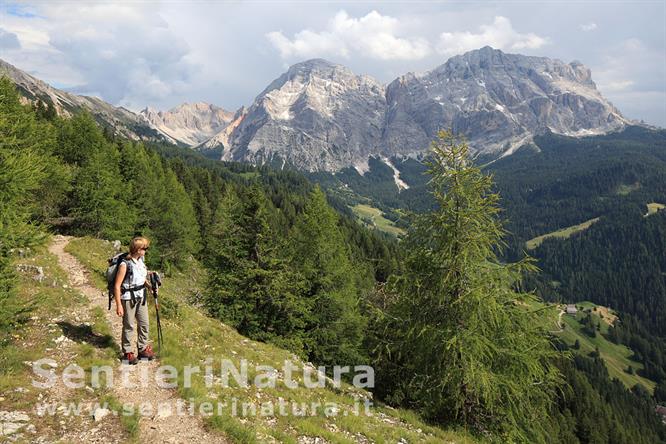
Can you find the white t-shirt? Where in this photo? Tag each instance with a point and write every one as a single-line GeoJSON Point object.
{"type": "Point", "coordinates": [138, 278]}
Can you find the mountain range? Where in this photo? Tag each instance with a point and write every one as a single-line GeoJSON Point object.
{"type": "Point", "coordinates": [320, 116]}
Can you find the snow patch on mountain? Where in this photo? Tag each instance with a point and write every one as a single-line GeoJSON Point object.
{"type": "Point", "coordinates": [401, 184]}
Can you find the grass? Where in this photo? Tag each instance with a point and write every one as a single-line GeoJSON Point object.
{"type": "Point", "coordinates": [373, 217]}
{"type": "Point", "coordinates": [30, 340]}
{"type": "Point", "coordinates": [616, 356]}
{"type": "Point", "coordinates": [564, 233]}
{"type": "Point", "coordinates": [191, 337]}
{"type": "Point", "coordinates": [653, 207]}
{"type": "Point", "coordinates": [50, 316]}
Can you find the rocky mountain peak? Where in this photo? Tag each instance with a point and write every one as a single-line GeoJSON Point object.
{"type": "Point", "coordinates": [317, 115]}
{"type": "Point", "coordinates": [499, 101]}
{"type": "Point", "coordinates": [315, 66]}
{"type": "Point", "coordinates": [189, 123]}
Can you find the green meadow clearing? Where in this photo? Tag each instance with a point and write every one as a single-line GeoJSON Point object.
{"type": "Point", "coordinates": [564, 233]}
{"type": "Point", "coordinates": [374, 218]}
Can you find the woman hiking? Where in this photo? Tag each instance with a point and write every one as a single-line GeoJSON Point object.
{"type": "Point", "coordinates": [130, 295]}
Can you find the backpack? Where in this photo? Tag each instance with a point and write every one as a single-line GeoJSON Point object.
{"type": "Point", "coordinates": [111, 273]}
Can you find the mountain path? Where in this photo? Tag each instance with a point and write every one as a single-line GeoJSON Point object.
{"type": "Point", "coordinates": [560, 324]}
{"type": "Point", "coordinates": [162, 424]}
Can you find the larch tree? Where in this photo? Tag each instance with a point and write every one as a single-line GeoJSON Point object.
{"type": "Point", "coordinates": [459, 341]}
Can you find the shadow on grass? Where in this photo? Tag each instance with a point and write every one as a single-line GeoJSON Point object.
{"type": "Point", "coordinates": [84, 333]}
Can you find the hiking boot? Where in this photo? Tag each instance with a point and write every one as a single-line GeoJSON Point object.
{"type": "Point", "coordinates": [147, 353]}
{"type": "Point", "coordinates": [129, 358]}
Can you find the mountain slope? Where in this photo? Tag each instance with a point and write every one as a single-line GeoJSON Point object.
{"type": "Point", "coordinates": [189, 123]}
{"type": "Point", "coordinates": [123, 121]}
{"type": "Point", "coordinates": [319, 116]}
{"type": "Point", "coordinates": [316, 116]}
{"type": "Point", "coordinates": [498, 101]}
{"type": "Point", "coordinates": [191, 337]}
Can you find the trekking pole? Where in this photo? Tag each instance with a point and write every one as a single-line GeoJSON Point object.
{"type": "Point", "coordinates": [155, 283]}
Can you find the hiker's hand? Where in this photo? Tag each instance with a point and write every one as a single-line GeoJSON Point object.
{"type": "Point", "coordinates": [119, 310]}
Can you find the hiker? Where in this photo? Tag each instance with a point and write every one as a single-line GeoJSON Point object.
{"type": "Point", "coordinates": [130, 296]}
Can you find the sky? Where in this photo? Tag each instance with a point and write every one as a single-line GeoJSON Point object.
{"type": "Point", "coordinates": [163, 53]}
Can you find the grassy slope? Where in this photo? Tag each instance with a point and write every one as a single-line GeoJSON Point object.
{"type": "Point", "coordinates": [564, 233]}
{"type": "Point", "coordinates": [367, 212]}
{"type": "Point", "coordinates": [616, 356]}
{"type": "Point", "coordinates": [191, 337]}
{"type": "Point", "coordinates": [50, 318]}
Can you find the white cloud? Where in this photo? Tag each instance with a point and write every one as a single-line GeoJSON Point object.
{"type": "Point", "coordinates": [500, 35]}
{"type": "Point", "coordinates": [373, 35]}
{"type": "Point", "coordinates": [632, 73]}
{"type": "Point", "coordinates": [308, 44]}
{"type": "Point", "coordinates": [587, 27]}
{"type": "Point", "coordinates": [618, 85]}
{"type": "Point", "coordinates": [125, 53]}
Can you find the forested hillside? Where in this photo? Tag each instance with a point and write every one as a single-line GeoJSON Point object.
{"type": "Point", "coordinates": [441, 310]}
{"type": "Point", "coordinates": [611, 187]}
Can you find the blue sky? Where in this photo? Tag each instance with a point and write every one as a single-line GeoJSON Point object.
{"type": "Point", "coordinates": [160, 54]}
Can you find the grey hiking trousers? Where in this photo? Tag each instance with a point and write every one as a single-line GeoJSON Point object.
{"type": "Point", "coordinates": [134, 314]}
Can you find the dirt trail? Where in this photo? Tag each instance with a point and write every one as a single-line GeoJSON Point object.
{"type": "Point", "coordinates": [560, 324]}
{"type": "Point", "coordinates": [163, 424]}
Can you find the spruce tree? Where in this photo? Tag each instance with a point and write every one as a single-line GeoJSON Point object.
{"type": "Point", "coordinates": [251, 286]}
{"type": "Point", "coordinates": [99, 191]}
{"type": "Point", "coordinates": [458, 341]}
{"type": "Point", "coordinates": [321, 255]}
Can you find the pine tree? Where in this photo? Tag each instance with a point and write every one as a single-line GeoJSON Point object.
{"type": "Point", "coordinates": [458, 341]}
{"type": "Point", "coordinates": [79, 138]}
{"type": "Point", "coordinates": [162, 209]}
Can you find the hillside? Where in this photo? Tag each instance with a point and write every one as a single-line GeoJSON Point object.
{"type": "Point", "coordinates": [259, 264]}
{"type": "Point", "coordinates": [88, 336]}
{"type": "Point", "coordinates": [117, 120]}
{"type": "Point", "coordinates": [572, 328]}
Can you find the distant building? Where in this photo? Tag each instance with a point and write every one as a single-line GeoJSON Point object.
{"type": "Point", "coordinates": [571, 309]}
{"type": "Point", "coordinates": [661, 410]}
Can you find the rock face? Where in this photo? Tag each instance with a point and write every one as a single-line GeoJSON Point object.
{"type": "Point", "coordinates": [316, 116]}
{"type": "Point", "coordinates": [498, 101]}
{"type": "Point", "coordinates": [320, 116]}
{"type": "Point", "coordinates": [189, 123]}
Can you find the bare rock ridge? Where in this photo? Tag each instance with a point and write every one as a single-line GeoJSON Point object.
{"type": "Point", "coordinates": [498, 101]}
{"type": "Point", "coordinates": [319, 116]}
{"type": "Point", "coordinates": [189, 123]}
{"type": "Point", "coordinates": [123, 121]}
{"type": "Point", "coordinates": [316, 116]}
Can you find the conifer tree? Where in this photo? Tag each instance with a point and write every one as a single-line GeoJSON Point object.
{"type": "Point", "coordinates": [251, 286]}
{"type": "Point", "coordinates": [98, 191]}
{"type": "Point", "coordinates": [24, 166]}
{"type": "Point", "coordinates": [174, 225]}
{"type": "Point", "coordinates": [321, 255]}
{"type": "Point", "coordinates": [79, 138]}
{"type": "Point", "coordinates": [458, 342]}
